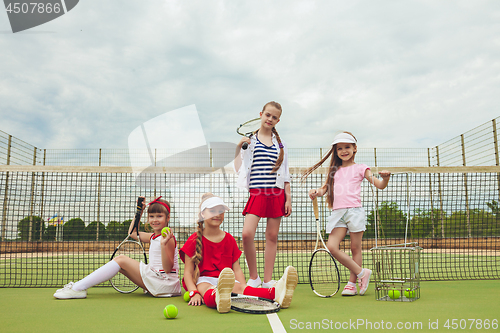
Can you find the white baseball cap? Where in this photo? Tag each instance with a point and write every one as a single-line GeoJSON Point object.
{"type": "Point", "coordinates": [344, 138]}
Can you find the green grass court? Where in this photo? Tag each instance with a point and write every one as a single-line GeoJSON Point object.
{"type": "Point", "coordinates": [471, 303]}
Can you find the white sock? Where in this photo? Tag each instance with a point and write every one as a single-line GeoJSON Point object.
{"type": "Point", "coordinates": [360, 275]}
{"type": "Point", "coordinates": [351, 283]}
{"type": "Point", "coordinates": [100, 275]}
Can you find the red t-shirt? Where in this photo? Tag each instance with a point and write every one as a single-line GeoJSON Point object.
{"type": "Point", "coordinates": [215, 256]}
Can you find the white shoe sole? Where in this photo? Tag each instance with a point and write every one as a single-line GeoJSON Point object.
{"type": "Point", "coordinates": [291, 279]}
{"type": "Point", "coordinates": [225, 286]}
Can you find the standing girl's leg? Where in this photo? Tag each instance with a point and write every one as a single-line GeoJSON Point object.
{"type": "Point", "coordinates": [272, 230]}
{"type": "Point", "coordinates": [248, 235]}
{"type": "Point", "coordinates": [333, 244]}
{"type": "Point", "coordinates": [357, 255]}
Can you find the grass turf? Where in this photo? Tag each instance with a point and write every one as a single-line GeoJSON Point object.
{"type": "Point", "coordinates": [105, 310]}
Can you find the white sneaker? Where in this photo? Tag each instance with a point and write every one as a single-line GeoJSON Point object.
{"type": "Point", "coordinates": [285, 286]}
{"type": "Point", "coordinates": [254, 282]}
{"type": "Point", "coordinates": [269, 284]}
{"type": "Point", "coordinates": [68, 292]}
{"type": "Point", "coordinates": [225, 286]}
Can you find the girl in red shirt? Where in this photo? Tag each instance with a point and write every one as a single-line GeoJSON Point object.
{"type": "Point", "coordinates": [212, 269]}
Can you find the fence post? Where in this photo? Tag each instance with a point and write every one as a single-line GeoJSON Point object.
{"type": "Point", "coordinates": [98, 197]}
{"type": "Point", "coordinates": [32, 194]}
{"type": "Point", "coordinates": [430, 192]}
{"type": "Point", "coordinates": [467, 212]}
{"type": "Point", "coordinates": [4, 216]}
{"type": "Point", "coordinates": [376, 194]}
{"type": "Point", "coordinates": [42, 189]}
{"type": "Point", "coordinates": [497, 158]}
{"type": "Point", "coordinates": [440, 194]}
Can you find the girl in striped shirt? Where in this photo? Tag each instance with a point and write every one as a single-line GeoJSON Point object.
{"type": "Point", "coordinates": [263, 170]}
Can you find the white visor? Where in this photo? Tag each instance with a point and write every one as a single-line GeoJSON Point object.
{"type": "Point", "coordinates": [213, 202]}
{"type": "Point", "coordinates": [344, 138]}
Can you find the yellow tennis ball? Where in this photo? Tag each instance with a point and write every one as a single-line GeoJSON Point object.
{"type": "Point", "coordinates": [186, 296]}
{"type": "Point", "coordinates": [394, 294]}
{"type": "Point", "coordinates": [165, 231]}
{"type": "Point", "coordinates": [170, 311]}
{"type": "Point", "coordinates": [409, 293]}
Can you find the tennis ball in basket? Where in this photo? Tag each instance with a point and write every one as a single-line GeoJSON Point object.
{"type": "Point", "coordinates": [170, 311]}
{"type": "Point", "coordinates": [394, 294]}
{"type": "Point", "coordinates": [186, 296]}
{"type": "Point", "coordinates": [409, 293]}
{"type": "Point", "coordinates": [164, 231]}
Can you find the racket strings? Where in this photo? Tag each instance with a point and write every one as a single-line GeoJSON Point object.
{"type": "Point", "coordinates": [134, 251]}
{"type": "Point", "coordinates": [323, 274]}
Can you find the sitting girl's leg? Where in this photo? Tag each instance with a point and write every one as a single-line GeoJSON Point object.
{"type": "Point", "coordinates": [125, 265]}
{"type": "Point", "coordinates": [220, 296]}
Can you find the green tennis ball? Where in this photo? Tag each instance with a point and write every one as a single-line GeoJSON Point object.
{"type": "Point", "coordinates": [394, 294]}
{"type": "Point", "coordinates": [186, 296]}
{"type": "Point", "coordinates": [409, 293]}
{"type": "Point", "coordinates": [165, 231]}
{"type": "Point", "coordinates": [170, 311]}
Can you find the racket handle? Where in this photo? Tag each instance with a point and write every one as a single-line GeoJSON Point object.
{"type": "Point", "coordinates": [316, 210]}
{"type": "Point", "coordinates": [138, 213]}
{"type": "Point", "coordinates": [244, 146]}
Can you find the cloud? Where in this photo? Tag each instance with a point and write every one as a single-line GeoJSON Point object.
{"type": "Point", "coordinates": [410, 74]}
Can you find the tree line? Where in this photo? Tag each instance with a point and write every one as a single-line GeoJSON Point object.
{"type": "Point", "coordinates": [391, 219]}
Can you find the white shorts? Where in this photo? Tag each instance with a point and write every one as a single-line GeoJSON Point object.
{"type": "Point", "coordinates": [208, 279]}
{"type": "Point", "coordinates": [354, 219]}
{"type": "Point", "coordinates": [160, 284]}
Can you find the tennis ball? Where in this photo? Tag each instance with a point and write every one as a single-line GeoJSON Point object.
{"type": "Point", "coordinates": [394, 294]}
{"type": "Point", "coordinates": [409, 293]}
{"type": "Point", "coordinates": [164, 231]}
{"type": "Point", "coordinates": [186, 296]}
{"type": "Point", "coordinates": [170, 311]}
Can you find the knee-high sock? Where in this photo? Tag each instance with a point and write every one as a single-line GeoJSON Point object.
{"type": "Point", "coordinates": [209, 298]}
{"type": "Point", "coordinates": [100, 275]}
{"type": "Point", "coordinates": [260, 292]}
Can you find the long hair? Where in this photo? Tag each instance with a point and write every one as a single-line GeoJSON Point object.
{"type": "Point", "coordinates": [198, 256]}
{"type": "Point", "coordinates": [335, 164]}
{"type": "Point", "coordinates": [279, 161]}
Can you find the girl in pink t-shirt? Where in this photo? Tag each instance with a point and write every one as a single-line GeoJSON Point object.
{"type": "Point", "coordinates": [343, 190]}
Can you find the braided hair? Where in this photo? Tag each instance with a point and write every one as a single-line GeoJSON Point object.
{"type": "Point", "coordinates": [275, 132]}
{"type": "Point", "coordinates": [198, 256]}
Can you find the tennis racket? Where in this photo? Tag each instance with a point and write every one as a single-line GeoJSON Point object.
{"type": "Point", "coordinates": [324, 276]}
{"type": "Point", "coordinates": [248, 129]}
{"type": "Point", "coordinates": [253, 304]}
{"type": "Point", "coordinates": [131, 248]}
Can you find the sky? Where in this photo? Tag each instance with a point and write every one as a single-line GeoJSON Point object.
{"type": "Point", "coordinates": [397, 74]}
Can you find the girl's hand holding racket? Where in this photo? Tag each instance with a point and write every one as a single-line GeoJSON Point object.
{"type": "Point", "coordinates": [313, 193]}
{"type": "Point", "coordinates": [244, 142]}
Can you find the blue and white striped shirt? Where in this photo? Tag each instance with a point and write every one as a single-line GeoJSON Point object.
{"type": "Point", "coordinates": [264, 160]}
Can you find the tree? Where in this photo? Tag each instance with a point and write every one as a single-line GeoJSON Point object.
{"type": "Point", "coordinates": [74, 229]}
{"type": "Point", "coordinates": [91, 231]}
{"type": "Point", "coordinates": [427, 223]}
{"type": "Point", "coordinates": [50, 233]}
{"type": "Point", "coordinates": [114, 231]}
{"type": "Point", "coordinates": [37, 228]}
{"type": "Point", "coordinates": [391, 219]}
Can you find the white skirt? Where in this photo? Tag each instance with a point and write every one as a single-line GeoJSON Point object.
{"type": "Point", "coordinates": [160, 284]}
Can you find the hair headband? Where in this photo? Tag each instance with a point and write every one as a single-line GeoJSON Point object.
{"type": "Point", "coordinates": [157, 200]}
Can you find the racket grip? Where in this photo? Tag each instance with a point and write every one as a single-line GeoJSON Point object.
{"type": "Point", "coordinates": [138, 212]}
{"type": "Point", "coordinates": [316, 210]}
{"type": "Point", "coordinates": [244, 146]}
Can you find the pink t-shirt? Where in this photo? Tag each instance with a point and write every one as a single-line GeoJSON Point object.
{"type": "Point", "coordinates": [347, 186]}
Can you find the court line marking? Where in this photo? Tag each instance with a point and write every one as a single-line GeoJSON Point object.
{"type": "Point", "coordinates": [276, 324]}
